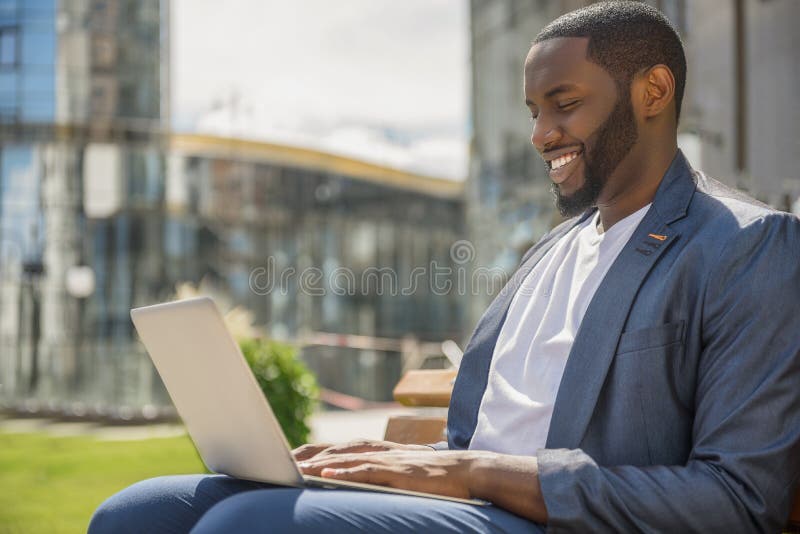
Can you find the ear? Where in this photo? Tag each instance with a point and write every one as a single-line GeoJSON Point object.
{"type": "Point", "coordinates": [656, 91]}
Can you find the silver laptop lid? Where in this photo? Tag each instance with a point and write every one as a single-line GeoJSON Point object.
{"type": "Point", "coordinates": [215, 392]}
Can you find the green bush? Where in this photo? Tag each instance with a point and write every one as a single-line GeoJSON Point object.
{"type": "Point", "coordinates": [289, 386]}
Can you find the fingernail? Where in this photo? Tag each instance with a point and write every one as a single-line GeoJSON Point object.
{"type": "Point", "coordinates": [330, 471]}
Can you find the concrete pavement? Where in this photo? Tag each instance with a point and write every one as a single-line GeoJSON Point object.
{"type": "Point", "coordinates": [326, 426]}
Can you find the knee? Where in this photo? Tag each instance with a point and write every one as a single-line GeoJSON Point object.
{"type": "Point", "coordinates": [114, 513]}
{"type": "Point", "coordinates": [138, 508]}
{"type": "Point", "coordinates": [250, 511]}
{"type": "Point", "coordinates": [107, 518]}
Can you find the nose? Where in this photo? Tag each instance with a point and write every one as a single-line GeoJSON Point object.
{"type": "Point", "coordinates": [545, 133]}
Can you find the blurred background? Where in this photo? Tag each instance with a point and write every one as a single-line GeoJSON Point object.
{"type": "Point", "coordinates": [150, 143]}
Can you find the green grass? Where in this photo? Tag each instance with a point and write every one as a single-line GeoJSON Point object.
{"type": "Point", "coordinates": [53, 484]}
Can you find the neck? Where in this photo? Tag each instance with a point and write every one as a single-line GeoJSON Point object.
{"type": "Point", "coordinates": [634, 183]}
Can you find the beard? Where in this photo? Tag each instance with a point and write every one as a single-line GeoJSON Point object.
{"type": "Point", "coordinates": [613, 141]}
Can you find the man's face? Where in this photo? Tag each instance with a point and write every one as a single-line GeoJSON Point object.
{"type": "Point", "coordinates": [583, 126]}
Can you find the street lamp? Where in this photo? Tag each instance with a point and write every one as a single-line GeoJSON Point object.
{"type": "Point", "coordinates": [80, 284]}
{"type": "Point", "coordinates": [33, 271]}
{"type": "Point", "coordinates": [80, 281]}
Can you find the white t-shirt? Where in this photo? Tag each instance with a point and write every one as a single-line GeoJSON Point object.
{"type": "Point", "coordinates": [537, 335]}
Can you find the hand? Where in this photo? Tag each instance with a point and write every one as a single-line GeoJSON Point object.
{"type": "Point", "coordinates": [308, 451]}
{"type": "Point", "coordinates": [439, 472]}
{"type": "Point", "coordinates": [510, 482]}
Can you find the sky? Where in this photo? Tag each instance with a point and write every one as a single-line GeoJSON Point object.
{"type": "Point", "coordinates": [385, 81]}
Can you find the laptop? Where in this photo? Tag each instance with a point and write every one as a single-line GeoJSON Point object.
{"type": "Point", "coordinates": [220, 402]}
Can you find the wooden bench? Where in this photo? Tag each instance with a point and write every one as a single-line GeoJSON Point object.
{"type": "Point", "coordinates": [433, 388]}
{"type": "Point", "coordinates": [428, 388]}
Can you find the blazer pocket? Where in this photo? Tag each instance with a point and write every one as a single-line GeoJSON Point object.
{"type": "Point", "coordinates": [651, 337]}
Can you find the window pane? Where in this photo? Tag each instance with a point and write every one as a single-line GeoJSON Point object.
{"type": "Point", "coordinates": [8, 47]}
{"type": "Point", "coordinates": [20, 214]}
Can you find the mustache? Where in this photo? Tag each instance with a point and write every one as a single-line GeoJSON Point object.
{"type": "Point", "coordinates": [552, 150]}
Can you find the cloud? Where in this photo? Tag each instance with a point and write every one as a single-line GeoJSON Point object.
{"type": "Point", "coordinates": [430, 152]}
{"type": "Point", "coordinates": [381, 80]}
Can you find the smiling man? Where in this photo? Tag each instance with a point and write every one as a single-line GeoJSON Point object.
{"type": "Point", "coordinates": [638, 373]}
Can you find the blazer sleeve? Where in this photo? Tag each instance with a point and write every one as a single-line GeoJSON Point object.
{"type": "Point", "coordinates": [744, 464]}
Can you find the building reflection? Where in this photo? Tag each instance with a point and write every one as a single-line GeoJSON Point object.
{"type": "Point", "coordinates": [102, 210]}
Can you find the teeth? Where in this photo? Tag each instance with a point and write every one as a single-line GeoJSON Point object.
{"type": "Point", "coordinates": [563, 160]}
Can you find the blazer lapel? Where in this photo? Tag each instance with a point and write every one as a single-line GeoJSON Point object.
{"type": "Point", "coordinates": [596, 341]}
{"type": "Point", "coordinates": [473, 373]}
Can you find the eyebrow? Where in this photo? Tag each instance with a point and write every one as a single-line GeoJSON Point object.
{"type": "Point", "coordinates": [562, 88]}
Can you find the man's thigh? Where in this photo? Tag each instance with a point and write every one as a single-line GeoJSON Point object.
{"type": "Point", "coordinates": [165, 504]}
{"type": "Point", "coordinates": [346, 511]}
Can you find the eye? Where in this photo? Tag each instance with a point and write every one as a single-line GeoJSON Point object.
{"type": "Point", "coordinates": [568, 104]}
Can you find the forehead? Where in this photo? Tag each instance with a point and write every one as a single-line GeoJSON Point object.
{"type": "Point", "coordinates": [560, 61]}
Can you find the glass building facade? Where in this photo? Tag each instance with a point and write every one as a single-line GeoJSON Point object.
{"type": "Point", "coordinates": [313, 243]}
{"type": "Point", "coordinates": [102, 210]}
{"type": "Point", "coordinates": [81, 154]}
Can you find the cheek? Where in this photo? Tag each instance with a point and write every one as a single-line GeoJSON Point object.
{"type": "Point", "coordinates": [590, 120]}
{"type": "Point", "coordinates": [584, 126]}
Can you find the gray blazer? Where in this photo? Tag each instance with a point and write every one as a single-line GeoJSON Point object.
{"type": "Point", "coordinates": [679, 408]}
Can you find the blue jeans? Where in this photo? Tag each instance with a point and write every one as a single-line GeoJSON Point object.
{"type": "Point", "coordinates": [214, 503]}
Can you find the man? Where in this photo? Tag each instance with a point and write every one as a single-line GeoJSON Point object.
{"type": "Point", "coordinates": [640, 370]}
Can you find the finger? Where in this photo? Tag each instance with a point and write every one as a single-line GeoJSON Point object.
{"type": "Point", "coordinates": [364, 473]}
{"type": "Point", "coordinates": [392, 477]}
{"type": "Point", "coordinates": [309, 450]}
{"type": "Point", "coordinates": [315, 467]}
{"type": "Point", "coordinates": [359, 446]}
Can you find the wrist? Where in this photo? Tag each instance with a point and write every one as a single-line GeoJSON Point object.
{"type": "Point", "coordinates": [510, 482]}
{"type": "Point", "coordinates": [481, 467]}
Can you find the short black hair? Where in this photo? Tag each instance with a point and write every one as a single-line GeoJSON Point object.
{"type": "Point", "coordinates": [625, 37]}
